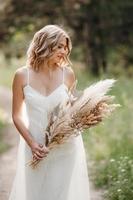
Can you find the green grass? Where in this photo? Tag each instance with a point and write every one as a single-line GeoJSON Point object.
{"type": "Point", "coordinates": [120, 179]}
{"type": "Point", "coordinates": [3, 145]}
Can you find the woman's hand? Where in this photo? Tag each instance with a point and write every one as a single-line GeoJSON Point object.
{"type": "Point", "coordinates": [38, 151]}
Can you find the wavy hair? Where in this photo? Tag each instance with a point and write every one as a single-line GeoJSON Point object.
{"type": "Point", "coordinates": [43, 43]}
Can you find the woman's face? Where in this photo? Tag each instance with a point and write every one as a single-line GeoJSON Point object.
{"type": "Point", "coordinates": [60, 51]}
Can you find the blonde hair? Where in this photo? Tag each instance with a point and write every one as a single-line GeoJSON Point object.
{"type": "Point", "coordinates": [43, 43]}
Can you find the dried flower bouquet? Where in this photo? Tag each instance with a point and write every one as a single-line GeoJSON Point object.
{"type": "Point", "coordinates": [78, 112]}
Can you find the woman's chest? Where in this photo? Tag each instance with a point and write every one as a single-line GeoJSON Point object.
{"type": "Point", "coordinates": [35, 100]}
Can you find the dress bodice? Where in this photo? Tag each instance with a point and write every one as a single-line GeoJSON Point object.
{"type": "Point", "coordinates": [39, 106]}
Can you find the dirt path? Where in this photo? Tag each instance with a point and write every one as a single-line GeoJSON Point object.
{"type": "Point", "coordinates": [8, 159]}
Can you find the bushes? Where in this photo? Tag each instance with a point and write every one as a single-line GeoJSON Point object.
{"type": "Point", "coordinates": [116, 175]}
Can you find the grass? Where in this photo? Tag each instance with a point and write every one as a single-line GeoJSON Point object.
{"type": "Point", "coordinates": [3, 145]}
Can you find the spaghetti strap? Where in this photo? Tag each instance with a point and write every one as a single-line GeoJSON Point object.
{"type": "Point", "coordinates": [63, 75]}
{"type": "Point", "coordinates": [27, 76]}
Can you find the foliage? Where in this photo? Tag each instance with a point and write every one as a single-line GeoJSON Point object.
{"type": "Point", "coordinates": [120, 179]}
{"type": "Point", "coordinates": [96, 25]}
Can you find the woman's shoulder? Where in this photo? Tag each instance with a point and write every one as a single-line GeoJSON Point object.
{"type": "Point", "coordinates": [20, 74]}
{"type": "Point", "coordinates": [21, 71]}
{"type": "Point", "coordinates": [69, 75]}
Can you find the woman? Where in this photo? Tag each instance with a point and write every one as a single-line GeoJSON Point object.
{"type": "Point", "coordinates": [42, 84]}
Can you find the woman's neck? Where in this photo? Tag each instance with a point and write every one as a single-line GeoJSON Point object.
{"type": "Point", "coordinates": [49, 67]}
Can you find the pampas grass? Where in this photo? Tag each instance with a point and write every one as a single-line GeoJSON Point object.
{"type": "Point", "coordinates": [80, 111]}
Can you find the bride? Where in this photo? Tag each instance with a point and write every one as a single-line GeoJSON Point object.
{"type": "Point", "coordinates": [41, 85]}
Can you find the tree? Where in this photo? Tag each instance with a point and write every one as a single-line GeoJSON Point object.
{"type": "Point", "coordinates": [97, 25]}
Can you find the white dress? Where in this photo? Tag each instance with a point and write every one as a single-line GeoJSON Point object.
{"type": "Point", "coordinates": [62, 175]}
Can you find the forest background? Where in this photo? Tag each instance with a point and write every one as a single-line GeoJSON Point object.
{"type": "Point", "coordinates": [102, 37]}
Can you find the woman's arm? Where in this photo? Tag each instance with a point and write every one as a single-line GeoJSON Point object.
{"type": "Point", "coordinates": [17, 102]}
